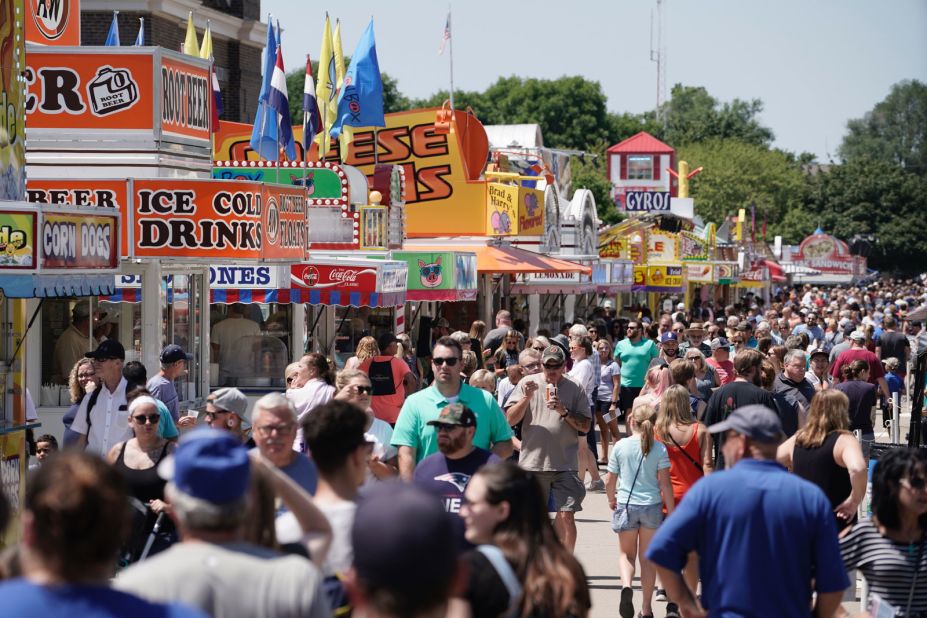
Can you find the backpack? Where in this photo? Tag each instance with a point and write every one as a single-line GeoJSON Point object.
{"type": "Point", "coordinates": [381, 378]}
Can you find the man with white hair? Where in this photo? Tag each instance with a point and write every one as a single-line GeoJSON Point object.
{"type": "Point", "coordinates": [274, 422]}
{"type": "Point", "coordinates": [213, 568]}
{"type": "Point", "coordinates": [793, 384]}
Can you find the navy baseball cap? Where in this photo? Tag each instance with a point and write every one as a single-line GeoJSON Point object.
{"type": "Point", "coordinates": [390, 552]}
{"type": "Point", "coordinates": [173, 353]}
{"type": "Point", "coordinates": [668, 337]}
{"type": "Point", "coordinates": [210, 465]}
{"type": "Point", "coordinates": [106, 350]}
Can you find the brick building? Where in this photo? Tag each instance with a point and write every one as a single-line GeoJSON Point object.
{"type": "Point", "coordinates": [238, 38]}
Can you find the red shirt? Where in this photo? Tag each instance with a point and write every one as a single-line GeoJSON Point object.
{"type": "Point", "coordinates": [386, 407]}
{"type": "Point", "coordinates": [848, 356]}
{"type": "Point", "coordinates": [724, 369]}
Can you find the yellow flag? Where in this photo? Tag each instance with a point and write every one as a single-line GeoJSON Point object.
{"type": "Point", "coordinates": [206, 49]}
{"type": "Point", "coordinates": [190, 45]}
{"type": "Point", "coordinates": [347, 133]}
{"type": "Point", "coordinates": [326, 90]}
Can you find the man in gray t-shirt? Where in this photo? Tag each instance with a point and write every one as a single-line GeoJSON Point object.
{"type": "Point", "coordinates": [173, 366]}
{"type": "Point", "coordinates": [553, 410]}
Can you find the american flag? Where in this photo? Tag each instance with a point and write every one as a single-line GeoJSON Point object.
{"type": "Point", "coordinates": [447, 34]}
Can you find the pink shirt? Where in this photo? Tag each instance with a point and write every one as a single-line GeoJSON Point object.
{"type": "Point", "coordinates": [386, 407]}
{"type": "Point", "coordinates": [313, 394]}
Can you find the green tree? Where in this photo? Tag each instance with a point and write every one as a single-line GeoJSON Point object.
{"type": "Point", "coordinates": [869, 197]}
{"type": "Point", "coordinates": [895, 131]}
{"type": "Point", "coordinates": [739, 175]}
{"type": "Point", "coordinates": [692, 115]}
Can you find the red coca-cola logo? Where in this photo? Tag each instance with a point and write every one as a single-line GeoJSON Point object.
{"type": "Point", "coordinates": [311, 276]}
{"type": "Point", "coordinates": [344, 275]}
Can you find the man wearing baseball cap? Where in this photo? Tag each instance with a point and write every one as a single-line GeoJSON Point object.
{"type": "Point", "coordinates": [720, 360]}
{"type": "Point", "coordinates": [213, 568]}
{"type": "Point", "coordinates": [858, 351]}
{"type": "Point", "coordinates": [447, 472]}
{"type": "Point", "coordinates": [669, 349]}
{"type": "Point", "coordinates": [773, 532]}
{"type": "Point", "coordinates": [103, 417]}
{"type": "Point", "coordinates": [173, 365]}
{"type": "Point", "coordinates": [553, 410]}
{"type": "Point", "coordinates": [227, 410]}
{"type": "Point", "coordinates": [390, 377]}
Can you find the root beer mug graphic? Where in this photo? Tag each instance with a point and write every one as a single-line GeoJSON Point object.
{"type": "Point", "coordinates": [112, 90]}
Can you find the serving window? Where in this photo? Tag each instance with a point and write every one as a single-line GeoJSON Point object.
{"type": "Point", "coordinates": [250, 344]}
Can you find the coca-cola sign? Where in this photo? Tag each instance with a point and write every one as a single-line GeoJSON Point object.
{"type": "Point", "coordinates": [322, 276]}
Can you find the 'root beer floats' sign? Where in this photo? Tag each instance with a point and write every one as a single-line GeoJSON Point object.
{"type": "Point", "coordinates": [159, 95]}
{"type": "Point", "coordinates": [175, 218]}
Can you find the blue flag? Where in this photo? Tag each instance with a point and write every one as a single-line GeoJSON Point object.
{"type": "Point", "coordinates": [112, 39]}
{"type": "Point", "coordinates": [140, 37]}
{"type": "Point", "coordinates": [264, 132]}
{"type": "Point", "coordinates": [360, 103]}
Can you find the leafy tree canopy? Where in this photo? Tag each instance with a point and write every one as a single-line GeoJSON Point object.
{"type": "Point", "coordinates": [895, 131]}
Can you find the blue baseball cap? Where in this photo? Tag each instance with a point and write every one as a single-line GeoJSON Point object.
{"type": "Point", "coordinates": [668, 337]}
{"type": "Point", "coordinates": [210, 465]}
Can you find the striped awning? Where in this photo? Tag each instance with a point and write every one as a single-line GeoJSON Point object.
{"type": "Point", "coordinates": [52, 286]}
{"type": "Point", "coordinates": [284, 295]}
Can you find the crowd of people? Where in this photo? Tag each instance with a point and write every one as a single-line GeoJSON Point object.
{"type": "Point", "coordinates": [446, 481]}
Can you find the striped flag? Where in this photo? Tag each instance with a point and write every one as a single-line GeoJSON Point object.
{"type": "Point", "coordinates": [447, 34]}
{"type": "Point", "coordinates": [277, 100]}
{"type": "Point", "coordinates": [312, 119]}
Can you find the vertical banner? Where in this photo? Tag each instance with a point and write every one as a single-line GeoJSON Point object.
{"type": "Point", "coordinates": [12, 101]}
{"type": "Point", "coordinates": [501, 209]}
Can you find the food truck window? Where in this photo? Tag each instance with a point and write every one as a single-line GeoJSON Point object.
{"type": "Point", "coordinates": [640, 167]}
{"type": "Point", "coordinates": [66, 327]}
{"type": "Point", "coordinates": [250, 344]}
{"type": "Point", "coordinates": [354, 323]}
{"type": "Point", "coordinates": [183, 326]}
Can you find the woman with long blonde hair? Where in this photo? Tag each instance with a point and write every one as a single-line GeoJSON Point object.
{"type": "Point", "coordinates": [366, 348]}
{"type": "Point", "coordinates": [688, 446]}
{"type": "Point", "coordinates": [827, 454]}
{"type": "Point", "coordinates": [642, 465]}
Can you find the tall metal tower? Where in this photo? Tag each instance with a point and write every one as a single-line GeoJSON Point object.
{"type": "Point", "coordinates": [658, 55]}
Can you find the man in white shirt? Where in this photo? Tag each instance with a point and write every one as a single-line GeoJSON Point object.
{"type": "Point", "coordinates": [103, 417]}
{"type": "Point", "coordinates": [225, 336]}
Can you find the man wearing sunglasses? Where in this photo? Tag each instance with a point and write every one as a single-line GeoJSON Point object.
{"type": "Point", "coordinates": [634, 354]}
{"type": "Point", "coordinates": [553, 411]}
{"type": "Point", "coordinates": [447, 473]}
{"type": "Point", "coordinates": [227, 409]}
{"type": "Point", "coordinates": [415, 439]}
{"type": "Point", "coordinates": [103, 417]}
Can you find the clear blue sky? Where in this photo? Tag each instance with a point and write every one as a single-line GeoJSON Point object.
{"type": "Point", "coordinates": [815, 64]}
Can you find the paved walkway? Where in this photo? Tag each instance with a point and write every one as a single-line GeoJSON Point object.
{"type": "Point", "coordinates": [597, 547]}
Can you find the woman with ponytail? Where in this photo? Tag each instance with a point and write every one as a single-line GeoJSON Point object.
{"type": "Point", "coordinates": [519, 567]}
{"type": "Point", "coordinates": [642, 466]}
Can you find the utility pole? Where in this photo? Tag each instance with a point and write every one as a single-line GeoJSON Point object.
{"type": "Point", "coordinates": [658, 55]}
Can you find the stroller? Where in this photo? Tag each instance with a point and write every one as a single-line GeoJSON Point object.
{"type": "Point", "coordinates": [150, 534]}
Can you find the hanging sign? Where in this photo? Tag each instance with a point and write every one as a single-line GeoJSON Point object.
{"type": "Point", "coordinates": [658, 278]}
{"type": "Point", "coordinates": [501, 209]}
{"type": "Point", "coordinates": [52, 22]}
{"type": "Point", "coordinates": [347, 276]}
{"type": "Point", "coordinates": [70, 240]}
{"type": "Point", "coordinates": [700, 273]}
{"type": "Point", "coordinates": [647, 201]}
{"type": "Point", "coordinates": [186, 96]}
{"type": "Point", "coordinates": [17, 240]}
{"type": "Point", "coordinates": [691, 247]}
{"type": "Point", "coordinates": [530, 212]}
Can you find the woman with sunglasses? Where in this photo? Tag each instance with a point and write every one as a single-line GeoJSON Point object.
{"type": "Point", "coordinates": [890, 549]}
{"type": "Point", "coordinates": [507, 354]}
{"type": "Point", "coordinates": [354, 386]}
{"type": "Point", "coordinates": [706, 379]}
{"type": "Point", "coordinates": [137, 461]}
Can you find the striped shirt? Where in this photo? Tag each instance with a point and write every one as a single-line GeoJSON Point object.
{"type": "Point", "coordinates": [888, 566]}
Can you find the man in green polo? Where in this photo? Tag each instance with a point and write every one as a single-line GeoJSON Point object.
{"type": "Point", "coordinates": [416, 439]}
{"type": "Point", "coordinates": [634, 354]}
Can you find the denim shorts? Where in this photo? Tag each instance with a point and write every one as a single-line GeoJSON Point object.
{"type": "Point", "coordinates": [637, 516]}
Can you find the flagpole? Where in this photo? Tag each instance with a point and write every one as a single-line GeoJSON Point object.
{"type": "Point", "coordinates": [451, 52]}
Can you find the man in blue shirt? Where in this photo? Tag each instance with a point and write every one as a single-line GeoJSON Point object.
{"type": "Point", "coordinates": [763, 535]}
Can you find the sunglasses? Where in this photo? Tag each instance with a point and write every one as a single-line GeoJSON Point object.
{"type": "Point", "coordinates": [633, 328]}
{"type": "Point", "coordinates": [694, 358]}
{"type": "Point", "coordinates": [361, 389]}
{"type": "Point", "coordinates": [141, 419]}
{"type": "Point", "coordinates": [449, 361]}
{"type": "Point", "coordinates": [267, 430]}
{"type": "Point", "coordinates": [917, 483]}
{"type": "Point", "coordinates": [445, 427]}
{"type": "Point", "coordinates": [678, 330]}
{"type": "Point", "coordinates": [211, 415]}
